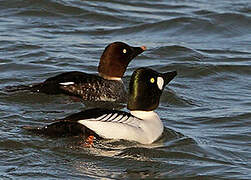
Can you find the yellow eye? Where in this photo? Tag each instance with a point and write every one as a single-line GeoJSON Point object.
{"type": "Point", "coordinates": [152, 80]}
{"type": "Point", "coordinates": [124, 51]}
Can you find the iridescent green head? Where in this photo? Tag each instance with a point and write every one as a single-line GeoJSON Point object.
{"type": "Point", "coordinates": [146, 87]}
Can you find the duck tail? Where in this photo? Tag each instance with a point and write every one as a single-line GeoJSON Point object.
{"type": "Point", "coordinates": [31, 87]}
{"type": "Point", "coordinates": [58, 129]}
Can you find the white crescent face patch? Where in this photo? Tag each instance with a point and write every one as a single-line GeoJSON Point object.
{"type": "Point", "coordinates": [160, 82]}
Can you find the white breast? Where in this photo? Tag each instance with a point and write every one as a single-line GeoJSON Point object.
{"type": "Point", "coordinates": [152, 126]}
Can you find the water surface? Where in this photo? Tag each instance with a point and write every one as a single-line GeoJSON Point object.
{"type": "Point", "coordinates": [205, 109]}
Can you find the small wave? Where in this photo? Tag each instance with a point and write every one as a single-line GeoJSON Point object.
{"type": "Point", "coordinates": [203, 12]}
{"type": "Point", "coordinates": [204, 69]}
{"type": "Point", "coordinates": [172, 99]}
{"type": "Point", "coordinates": [46, 8]}
{"type": "Point", "coordinates": [224, 121]}
{"type": "Point", "coordinates": [165, 26]}
{"type": "Point", "coordinates": [32, 54]}
{"type": "Point", "coordinates": [246, 10]}
{"type": "Point", "coordinates": [176, 51]}
{"type": "Point", "coordinates": [9, 46]}
{"type": "Point", "coordinates": [231, 23]}
{"type": "Point", "coordinates": [224, 52]}
{"type": "Point", "coordinates": [175, 154]}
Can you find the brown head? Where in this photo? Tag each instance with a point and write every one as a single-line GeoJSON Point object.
{"type": "Point", "coordinates": [115, 59]}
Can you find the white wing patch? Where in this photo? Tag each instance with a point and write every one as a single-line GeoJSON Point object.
{"type": "Point", "coordinates": [101, 117]}
{"type": "Point", "coordinates": [66, 83]}
{"type": "Point", "coordinates": [106, 118]}
{"type": "Point", "coordinates": [160, 82]}
{"type": "Point", "coordinates": [122, 118]}
{"type": "Point", "coordinates": [114, 118]}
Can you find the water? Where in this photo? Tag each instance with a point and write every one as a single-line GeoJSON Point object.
{"type": "Point", "coordinates": [205, 109]}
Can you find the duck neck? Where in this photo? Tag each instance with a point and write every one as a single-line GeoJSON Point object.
{"type": "Point", "coordinates": [145, 115]}
{"type": "Point", "coordinates": [109, 77]}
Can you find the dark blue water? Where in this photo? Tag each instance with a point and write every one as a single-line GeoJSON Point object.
{"type": "Point", "coordinates": [205, 109]}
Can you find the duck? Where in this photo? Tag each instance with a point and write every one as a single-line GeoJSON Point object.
{"type": "Point", "coordinates": [106, 86]}
{"type": "Point", "coordinates": [139, 124]}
